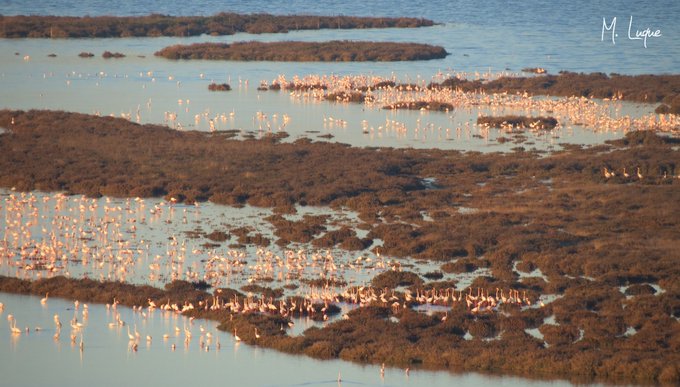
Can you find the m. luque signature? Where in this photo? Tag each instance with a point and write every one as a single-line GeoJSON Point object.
{"type": "Point", "coordinates": [639, 34]}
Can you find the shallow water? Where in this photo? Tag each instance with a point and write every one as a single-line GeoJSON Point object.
{"type": "Point", "coordinates": [174, 93]}
{"type": "Point", "coordinates": [108, 358]}
{"type": "Point", "coordinates": [150, 242]}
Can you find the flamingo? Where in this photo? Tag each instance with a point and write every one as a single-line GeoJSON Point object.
{"type": "Point", "coordinates": [13, 327]}
{"type": "Point", "coordinates": [236, 336]}
{"type": "Point", "coordinates": [130, 336]}
{"type": "Point", "coordinates": [44, 300]}
{"type": "Point", "coordinates": [75, 324]}
{"type": "Point", "coordinates": [257, 335]}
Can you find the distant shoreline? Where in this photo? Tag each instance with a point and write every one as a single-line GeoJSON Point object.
{"type": "Point", "coordinates": [164, 25]}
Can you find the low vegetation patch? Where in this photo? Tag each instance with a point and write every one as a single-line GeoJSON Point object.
{"type": "Point", "coordinates": [164, 25]}
{"type": "Point", "coordinates": [333, 51]}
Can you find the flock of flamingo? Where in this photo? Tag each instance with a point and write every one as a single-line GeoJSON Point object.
{"type": "Point", "coordinates": [607, 115]}
{"type": "Point", "coordinates": [99, 238]}
{"type": "Point", "coordinates": [475, 303]}
{"type": "Point", "coordinates": [79, 326]}
{"type": "Point", "coordinates": [611, 173]}
{"type": "Point", "coordinates": [131, 239]}
{"type": "Point", "coordinates": [599, 116]}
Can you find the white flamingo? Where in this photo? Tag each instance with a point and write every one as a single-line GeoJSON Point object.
{"type": "Point", "coordinates": [13, 325]}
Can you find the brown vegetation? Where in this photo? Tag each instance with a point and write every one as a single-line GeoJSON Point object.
{"type": "Point", "coordinates": [674, 108]}
{"type": "Point", "coordinates": [163, 25]}
{"type": "Point", "coordinates": [535, 70]}
{"type": "Point", "coordinates": [109, 54]}
{"type": "Point", "coordinates": [333, 51]}
{"type": "Point", "coordinates": [219, 87]}
{"type": "Point", "coordinates": [588, 234]}
{"type": "Point", "coordinates": [88, 290]}
{"type": "Point", "coordinates": [393, 279]}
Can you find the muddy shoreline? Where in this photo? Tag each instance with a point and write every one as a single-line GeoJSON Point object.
{"type": "Point", "coordinates": [164, 25]}
{"type": "Point", "coordinates": [600, 241]}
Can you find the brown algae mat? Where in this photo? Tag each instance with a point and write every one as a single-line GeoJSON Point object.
{"type": "Point", "coordinates": [606, 244]}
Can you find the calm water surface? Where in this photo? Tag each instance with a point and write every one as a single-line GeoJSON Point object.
{"type": "Point", "coordinates": [36, 358]}
{"type": "Point", "coordinates": [496, 34]}
{"type": "Point", "coordinates": [149, 89]}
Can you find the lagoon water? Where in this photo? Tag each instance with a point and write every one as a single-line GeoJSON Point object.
{"type": "Point", "coordinates": [488, 37]}
{"type": "Point", "coordinates": [35, 358]}
{"type": "Point", "coordinates": [481, 39]}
